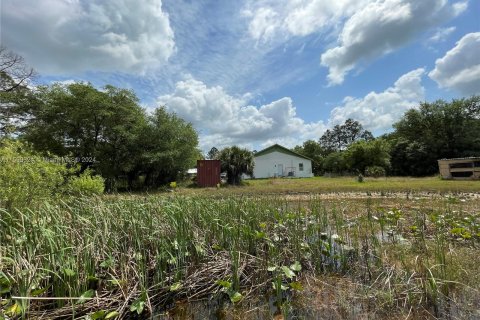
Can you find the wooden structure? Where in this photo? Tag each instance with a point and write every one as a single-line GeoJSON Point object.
{"type": "Point", "coordinates": [208, 173]}
{"type": "Point", "coordinates": [460, 168]}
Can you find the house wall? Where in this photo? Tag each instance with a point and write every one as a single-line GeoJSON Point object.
{"type": "Point", "coordinates": [451, 168]}
{"type": "Point", "coordinates": [275, 164]}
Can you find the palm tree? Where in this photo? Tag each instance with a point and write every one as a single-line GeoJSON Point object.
{"type": "Point", "coordinates": [236, 161]}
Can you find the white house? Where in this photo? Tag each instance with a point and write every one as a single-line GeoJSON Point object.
{"type": "Point", "coordinates": [278, 161]}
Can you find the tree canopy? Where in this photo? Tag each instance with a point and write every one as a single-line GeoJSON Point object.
{"type": "Point", "coordinates": [213, 153]}
{"type": "Point", "coordinates": [236, 161]}
{"type": "Point", "coordinates": [434, 131]}
{"type": "Point", "coordinates": [341, 136]}
{"type": "Point", "coordinates": [314, 151]}
{"type": "Point", "coordinates": [107, 131]}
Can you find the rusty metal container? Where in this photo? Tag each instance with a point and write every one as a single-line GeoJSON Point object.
{"type": "Point", "coordinates": [208, 173]}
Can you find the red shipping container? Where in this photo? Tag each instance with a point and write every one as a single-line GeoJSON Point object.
{"type": "Point", "coordinates": [208, 173]}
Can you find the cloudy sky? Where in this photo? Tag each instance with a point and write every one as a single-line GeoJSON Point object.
{"type": "Point", "coordinates": [255, 72]}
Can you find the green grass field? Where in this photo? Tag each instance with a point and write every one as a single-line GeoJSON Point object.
{"type": "Point", "coordinates": [344, 184]}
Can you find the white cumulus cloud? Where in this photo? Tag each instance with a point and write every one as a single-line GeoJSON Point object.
{"type": "Point", "coordinates": [381, 27]}
{"type": "Point", "coordinates": [223, 120]}
{"type": "Point", "coordinates": [67, 36]}
{"type": "Point", "coordinates": [283, 19]}
{"type": "Point", "coordinates": [379, 110]}
{"type": "Point", "coordinates": [459, 69]}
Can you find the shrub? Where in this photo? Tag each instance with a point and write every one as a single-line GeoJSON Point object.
{"type": "Point", "coordinates": [375, 171]}
{"type": "Point", "coordinates": [25, 176]}
{"type": "Point", "coordinates": [360, 178]}
{"type": "Point", "coordinates": [85, 185]}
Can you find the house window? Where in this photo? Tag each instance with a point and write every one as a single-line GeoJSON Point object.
{"type": "Point", "coordinates": [300, 167]}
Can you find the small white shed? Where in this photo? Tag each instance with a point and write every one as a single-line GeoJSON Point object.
{"type": "Point", "coordinates": [278, 161]}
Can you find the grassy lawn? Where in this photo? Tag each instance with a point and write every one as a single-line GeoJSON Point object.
{"type": "Point", "coordinates": [344, 184]}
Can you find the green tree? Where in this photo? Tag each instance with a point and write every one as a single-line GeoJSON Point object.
{"type": "Point", "coordinates": [213, 153]}
{"type": "Point", "coordinates": [411, 158]}
{"type": "Point", "coordinates": [434, 131]}
{"type": "Point", "coordinates": [314, 151]}
{"type": "Point", "coordinates": [235, 162]}
{"type": "Point", "coordinates": [341, 136]}
{"type": "Point", "coordinates": [363, 154]}
{"type": "Point", "coordinates": [98, 128]}
{"type": "Point", "coordinates": [335, 163]}
{"type": "Point", "coordinates": [168, 146]}
{"type": "Point", "coordinates": [118, 150]}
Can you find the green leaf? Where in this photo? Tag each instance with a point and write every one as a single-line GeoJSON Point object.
{"type": "Point", "coordinates": [85, 296]}
{"type": "Point", "coordinates": [107, 263]}
{"type": "Point", "coordinates": [37, 292]}
{"type": "Point", "coordinates": [260, 234]}
{"type": "Point", "coordinates": [288, 273]}
{"type": "Point", "coordinates": [296, 266]}
{"type": "Point", "coordinates": [5, 285]}
{"type": "Point", "coordinates": [271, 269]}
{"type": "Point", "coordinates": [282, 286]}
{"type": "Point", "coordinates": [112, 315]}
{"type": "Point", "coordinates": [296, 286]}
{"type": "Point", "coordinates": [176, 286]}
{"type": "Point", "coordinates": [138, 306]}
{"type": "Point", "coordinates": [69, 272]}
{"type": "Point", "coordinates": [116, 282]}
{"type": "Point", "coordinates": [236, 297]}
{"type": "Point", "coordinates": [14, 310]}
{"type": "Point", "coordinates": [98, 315]}
{"type": "Point", "coordinates": [224, 283]}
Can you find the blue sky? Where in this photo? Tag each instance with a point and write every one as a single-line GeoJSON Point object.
{"type": "Point", "coordinates": [257, 72]}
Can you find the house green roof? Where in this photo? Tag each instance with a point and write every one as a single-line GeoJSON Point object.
{"type": "Point", "coordinates": [279, 148]}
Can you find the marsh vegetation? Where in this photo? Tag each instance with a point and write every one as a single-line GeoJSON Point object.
{"type": "Point", "coordinates": [237, 257]}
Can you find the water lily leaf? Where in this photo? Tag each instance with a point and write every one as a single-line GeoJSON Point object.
{"type": "Point", "coordinates": [69, 272]}
{"type": "Point", "coordinates": [296, 286]}
{"type": "Point", "coordinates": [288, 273]}
{"type": "Point", "coordinates": [98, 315]}
{"type": "Point", "coordinates": [260, 234]}
{"type": "Point", "coordinates": [176, 286]}
{"type": "Point", "coordinates": [296, 266]}
{"type": "Point", "coordinates": [37, 292]}
{"type": "Point", "coordinates": [107, 263]}
{"type": "Point", "coordinates": [224, 283]}
{"type": "Point", "coordinates": [112, 315]}
{"type": "Point", "coordinates": [116, 282]}
{"type": "Point", "coordinates": [138, 306]}
{"type": "Point", "coordinates": [85, 296]}
{"type": "Point", "coordinates": [14, 310]}
{"type": "Point", "coordinates": [236, 297]}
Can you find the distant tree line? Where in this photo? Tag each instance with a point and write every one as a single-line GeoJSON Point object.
{"type": "Point", "coordinates": [104, 131]}
{"type": "Point", "coordinates": [108, 133]}
{"type": "Point", "coordinates": [422, 136]}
